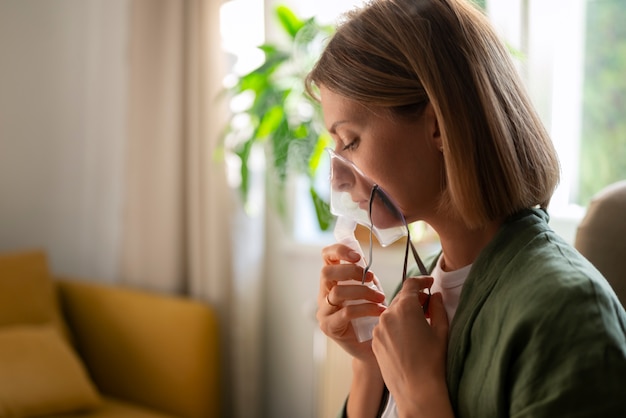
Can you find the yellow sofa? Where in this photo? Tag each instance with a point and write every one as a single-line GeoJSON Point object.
{"type": "Point", "coordinates": [71, 348]}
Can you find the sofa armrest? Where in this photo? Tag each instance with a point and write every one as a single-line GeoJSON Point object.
{"type": "Point", "coordinates": [156, 350]}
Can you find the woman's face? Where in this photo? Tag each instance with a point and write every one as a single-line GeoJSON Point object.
{"type": "Point", "coordinates": [402, 156]}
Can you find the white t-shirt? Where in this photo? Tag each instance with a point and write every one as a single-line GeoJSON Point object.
{"type": "Point", "coordinates": [449, 283]}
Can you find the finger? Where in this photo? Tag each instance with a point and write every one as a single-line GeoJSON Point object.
{"type": "Point", "coordinates": [330, 300]}
{"type": "Point", "coordinates": [326, 307]}
{"type": "Point", "coordinates": [341, 272]}
{"type": "Point", "coordinates": [438, 315]}
{"type": "Point", "coordinates": [425, 302]}
{"type": "Point", "coordinates": [417, 284]}
{"type": "Point", "coordinates": [337, 323]}
{"type": "Point", "coordinates": [336, 253]}
{"type": "Point", "coordinates": [374, 279]}
{"type": "Point", "coordinates": [333, 274]}
{"type": "Point", "coordinates": [339, 295]}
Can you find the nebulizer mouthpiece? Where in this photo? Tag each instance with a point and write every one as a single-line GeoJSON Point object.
{"type": "Point", "coordinates": [355, 199]}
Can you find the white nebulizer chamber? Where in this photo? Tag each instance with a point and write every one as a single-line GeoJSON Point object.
{"type": "Point", "coordinates": [344, 234]}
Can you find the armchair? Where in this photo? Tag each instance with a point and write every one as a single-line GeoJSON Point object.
{"type": "Point", "coordinates": [601, 235]}
{"type": "Point", "coordinates": [71, 348]}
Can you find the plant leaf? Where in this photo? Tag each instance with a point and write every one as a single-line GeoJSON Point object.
{"type": "Point", "coordinates": [244, 154]}
{"type": "Point", "coordinates": [281, 138]}
{"type": "Point", "coordinates": [270, 121]}
{"type": "Point", "coordinates": [289, 21]}
{"type": "Point", "coordinates": [322, 209]}
{"type": "Point", "coordinates": [323, 140]}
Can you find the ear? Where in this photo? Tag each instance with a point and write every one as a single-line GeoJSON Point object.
{"type": "Point", "coordinates": [437, 136]}
{"type": "Point", "coordinates": [433, 126]}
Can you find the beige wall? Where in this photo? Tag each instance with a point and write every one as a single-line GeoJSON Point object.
{"type": "Point", "coordinates": [62, 79]}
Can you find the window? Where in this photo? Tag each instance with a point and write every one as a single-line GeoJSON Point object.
{"type": "Point", "coordinates": [574, 61]}
{"type": "Point", "coordinates": [603, 131]}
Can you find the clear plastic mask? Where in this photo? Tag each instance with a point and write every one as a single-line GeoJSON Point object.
{"type": "Point", "coordinates": [354, 196]}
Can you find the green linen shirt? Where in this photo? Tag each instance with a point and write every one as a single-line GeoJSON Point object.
{"type": "Point", "coordinates": [538, 331]}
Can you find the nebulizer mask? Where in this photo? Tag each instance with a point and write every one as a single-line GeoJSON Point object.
{"type": "Point", "coordinates": [356, 199]}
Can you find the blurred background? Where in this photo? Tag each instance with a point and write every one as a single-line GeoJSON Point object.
{"type": "Point", "coordinates": [125, 124]}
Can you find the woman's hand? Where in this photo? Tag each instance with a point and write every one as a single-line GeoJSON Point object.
{"type": "Point", "coordinates": [333, 314]}
{"type": "Point", "coordinates": [411, 352]}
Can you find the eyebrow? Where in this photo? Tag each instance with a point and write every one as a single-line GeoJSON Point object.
{"type": "Point", "coordinates": [333, 127]}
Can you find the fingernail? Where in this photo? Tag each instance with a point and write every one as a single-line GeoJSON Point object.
{"type": "Point", "coordinates": [354, 256]}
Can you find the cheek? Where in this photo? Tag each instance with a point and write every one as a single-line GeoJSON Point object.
{"type": "Point", "coordinates": [405, 165]}
{"type": "Point", "coordinates": [391, 175]}
{"type": "Point", "coordinates": [379, 161]}
{"type": "Point", "coordinates": [414, 181]}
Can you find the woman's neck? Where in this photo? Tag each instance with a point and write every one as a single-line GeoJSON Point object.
{"type": "Point", "coordinates": [462, 245]}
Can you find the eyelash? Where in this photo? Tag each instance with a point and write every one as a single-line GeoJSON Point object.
{"type": "Point", "coordinates": [351, 146]}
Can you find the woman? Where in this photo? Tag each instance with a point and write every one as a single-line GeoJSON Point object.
{"type": "Point", "coordinates": [423, 98]}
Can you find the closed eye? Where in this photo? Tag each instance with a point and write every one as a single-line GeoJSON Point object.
{"type": "Point", "coordinates": [351, 146]}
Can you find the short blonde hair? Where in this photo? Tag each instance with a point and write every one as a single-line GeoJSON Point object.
{"type": "Point", "coordinates": [401, 54]}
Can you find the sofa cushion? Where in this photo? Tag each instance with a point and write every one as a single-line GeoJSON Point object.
{"type": "Point", "coordinates": [113, 407]}
{"type": "Point", "coordinates": [40, 374]}
{"type": "Point", "coordinates": [167, 347]}
{"type": "Point", "coordinates": [27, 293]}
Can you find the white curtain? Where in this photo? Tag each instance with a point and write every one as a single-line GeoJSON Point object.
{"type": "Point", "coordinates": [178, 223]}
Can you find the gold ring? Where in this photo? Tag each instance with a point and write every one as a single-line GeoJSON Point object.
{"type": "Point", "coordinates": [329, 302]}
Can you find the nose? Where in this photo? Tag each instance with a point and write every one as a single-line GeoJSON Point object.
{"type": "Point", "coordinates": [343, 177]}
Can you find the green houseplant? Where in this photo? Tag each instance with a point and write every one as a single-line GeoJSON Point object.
{"type": "Point", "coordinates": [279, 116]}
